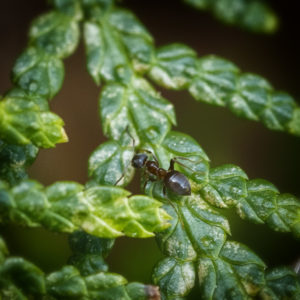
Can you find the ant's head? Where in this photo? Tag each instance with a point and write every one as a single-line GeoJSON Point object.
{"type": "Point", "coordinates": [139, 160]}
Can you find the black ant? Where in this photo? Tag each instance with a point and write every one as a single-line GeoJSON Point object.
{"type": "Point", "coordinates": [172, 179]}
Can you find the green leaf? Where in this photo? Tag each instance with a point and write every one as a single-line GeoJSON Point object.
{"type": "Point", "coordinates": [69, 7]}
{"type": "Point", "coordinates": [196, 238]}
{"type": "Point", "coordinates": [135, 38]}
{"type": "Point", "coordinates": [66, 283]}
{"type": "Point", "coordinates": [55, 33]}
{"type": "Point", "coordinates": [174, 66]}
{"type": "Point", "coordinates": [109, 162]}
{"type": "Point", "coordinates": [81, 242]}
{"type": "Point", "coordinates": [26, 119]}
{"type": "Point", "coordinates": [147, 115]}
{"type": "Point", "coordinates": [3, 250]}
{"type": "Point", "coordinates": [249, 14]}
{"type": "Point", "coordinates": [66, 207]}
{"type": "Point", "coordinates": [139, 291]}
{"type": "Point", "coordinates": [23, 275]}
{"type": "Point", "coordinates": [294, 124]}
{"type": "Point", "coordinates": [254, 99]}
{"type": "Point", "coordinates": [192, 160]}
{"type": "Point", "coordinates": [256, 200]}
{"type": "Point", "coordinates": [236, 274]}
{"type": "Point", "coordinates": [215, 80]}
{"type": "Point", "coordinates": [175, 278]}
{"type": "Point", "coordinates": [13, 161]}
{"type": "Point", "coordinates": [38, 72]}
{"type": "Point", "coordinates": [226, 185]}
{"type": "Point", "coordinates": [115, 45]}
{"type": "Point", "coordinates": [196, 229]}
{"type": "Point", "coordinates": [281, 283]}
{"type": "Point", "coordinates": [280, 211]}
{"type": "Point", "coordinates": [103, 286]}
{"type": "Point", "coordinates": [89, 252]}
{"type": "Point", "coordinates": [204, 227]}
{"type": "Point", "coordinates": [137, 216]}
{"type": "Point", "coordinates": [106, 57]}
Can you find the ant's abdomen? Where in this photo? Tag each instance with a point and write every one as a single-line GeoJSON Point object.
{"type": "Point", "coordinates": [177, 183]}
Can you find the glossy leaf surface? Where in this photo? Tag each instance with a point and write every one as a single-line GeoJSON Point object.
{"type": "Point", "coordinates": [109, 162]}
{"type": "Point", "coordinates": [66, 207]}
{"type": "Point", "coordinates": [116, 44]}
{"type": "Point", "coordinates": [139, 107]}
{"type": "Point", "coordinates": [26, 119]}
{"type": "Point", "coordinates": [55, 33]}
{"type": "Point", "coordinates": [219, 82]}
{"type": "Point", "coordinates": [38, 72]}
{"type": "Point", "coordinates": [14, 159]}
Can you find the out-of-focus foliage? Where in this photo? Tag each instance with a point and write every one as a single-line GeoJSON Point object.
{"type": "Point", "coordinates": [20, 279]}
{"type": "Point", "coordinates": [253, 15]}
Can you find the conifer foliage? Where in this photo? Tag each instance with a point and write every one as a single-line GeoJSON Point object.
{"type": "Point", "coordinates": [191, 231]}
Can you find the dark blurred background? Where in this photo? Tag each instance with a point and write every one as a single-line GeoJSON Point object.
{"type": "Point", "coordinates": [261, 153]}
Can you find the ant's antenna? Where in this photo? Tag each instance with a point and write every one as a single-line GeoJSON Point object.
{"type": "Point", "coordinates": [133, 140]}
{"type": "Point", "coordinates": [126, 168]}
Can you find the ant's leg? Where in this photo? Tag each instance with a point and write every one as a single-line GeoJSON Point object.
{"type": "Point", "coordinates": [175, 160]}
{"type": "Point", "coordinates": [176, 211]}
{"type": "Point", "coordinates": [123, 174]}
{"type": "Point", "coordinates": [147, 180]}
{"type": "Point", "coordinates": [149, 152]}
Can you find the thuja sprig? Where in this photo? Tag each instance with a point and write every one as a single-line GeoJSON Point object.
{"type": "Point", "coordinates": [219, 82]}
{"type": "Point", "coordinates": [210, 79]}
{"type": "Point", "coordinates": [120, 53]}
{"type": "Point", "coordinates": [37, 76]}
{"type": "Point", "coordinates": [66, 206]}
{"type": "Point", "coordinates": [197, 240]}
{"type": "Point", "coordinates": [38, 73]}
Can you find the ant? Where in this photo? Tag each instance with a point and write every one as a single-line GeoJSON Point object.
{"type": "Point", "coordinates": [172, 179]}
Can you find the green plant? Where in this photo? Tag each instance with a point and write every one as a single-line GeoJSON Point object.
{"type": "Point", "coordinates": [191, 231]}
